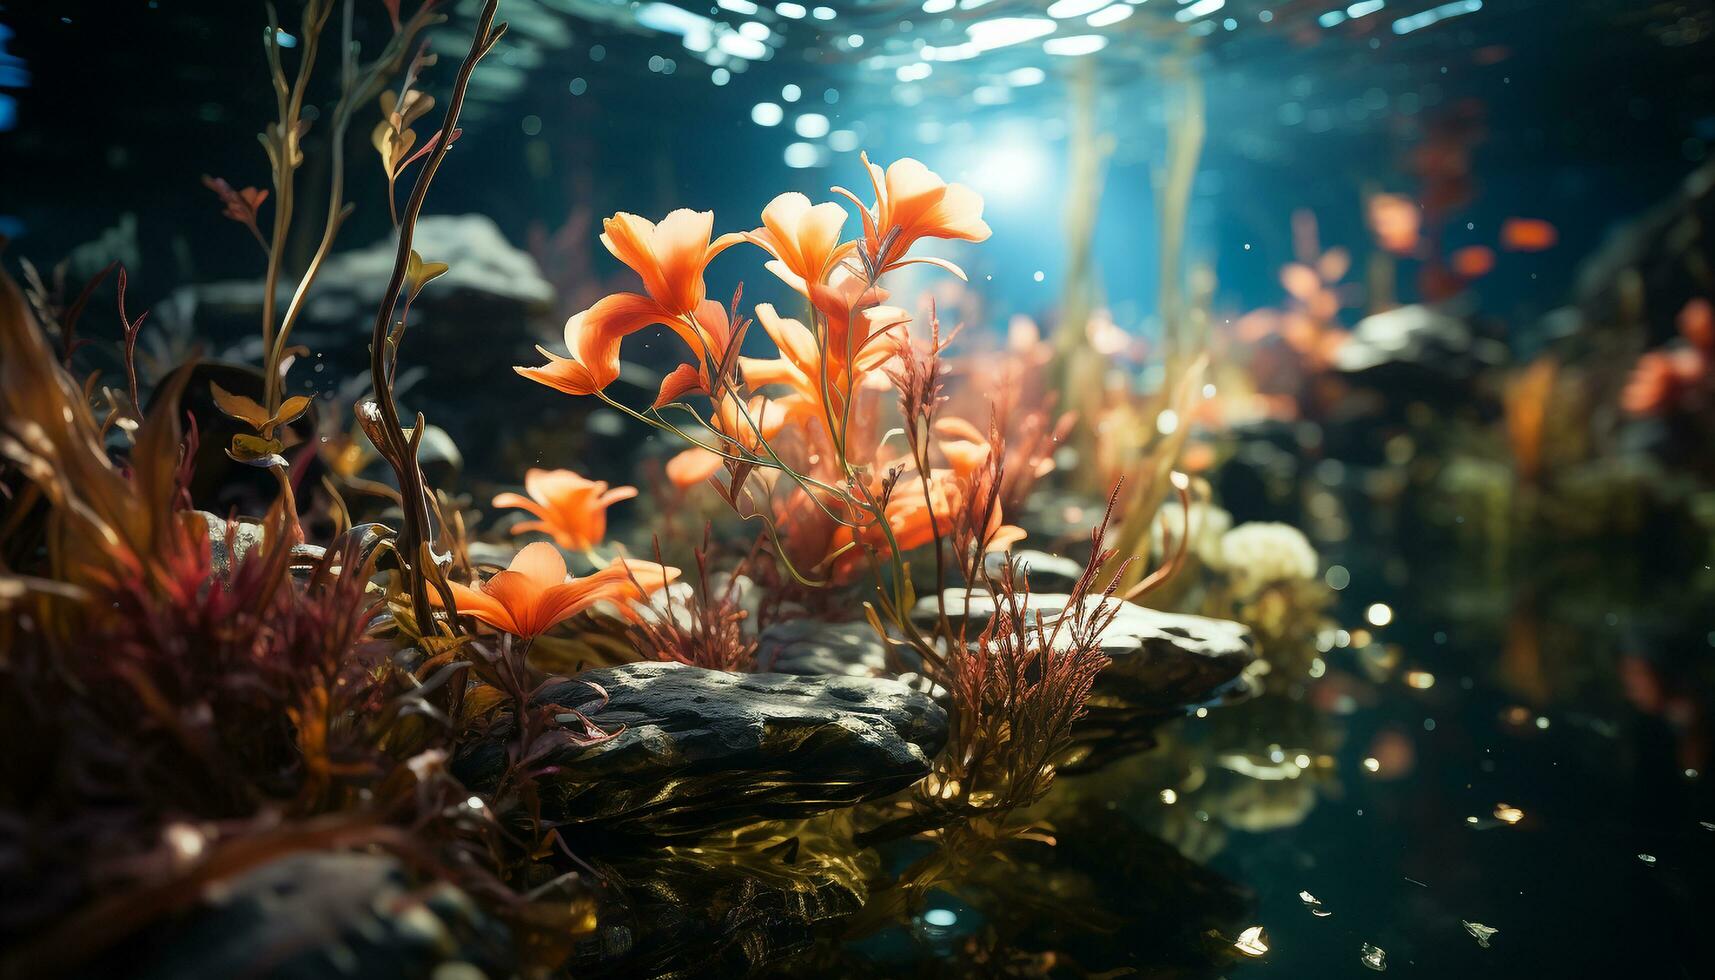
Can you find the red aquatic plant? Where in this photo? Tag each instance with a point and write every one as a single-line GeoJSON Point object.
{"type": "Point", "coordinates": [241, 206]}
{"type": "Point", "coordinates": [706, 629]}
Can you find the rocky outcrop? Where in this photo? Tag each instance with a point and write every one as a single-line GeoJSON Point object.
{"type": "Point", "coordinates": [1164, 665]}
{"type": "Point", "coordinates": [704, 749]}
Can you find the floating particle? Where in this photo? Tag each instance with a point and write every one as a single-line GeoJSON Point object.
{"type": "Point", "coordinates": [1481, 933]}
{"type": "Point", "coordinates": [1252, 942]}
{"type": "Point", "coordinates": [1706, 825]}
{"type": "Point", "coordinates": [1169, 797]}
{"type": "Point", "coordinates": [1647, 858]}
{"type": "Point", "coordinates": [1507, 813]}
{"type": "Point", "coordinates": [1314, 904]}
{"type": "Point", "coordinates": [1373, 957]}
{"type": "Point", "coordinates": [1422, 680]}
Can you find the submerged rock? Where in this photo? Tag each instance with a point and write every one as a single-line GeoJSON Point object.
{"type": "Point", "coordinates": [315, 915]}
{"type": "Point", "coordinates": [244, 537]}
{"type": "Point", "coordinates": [703, 749]}
{"type": "Point", "coordinates": [811, 648]}
{"type": "Point", "coordinates": [1164, 665]}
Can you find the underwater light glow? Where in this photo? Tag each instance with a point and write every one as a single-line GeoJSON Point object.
{"type": "Point", "coordinates": [1003, 31]}
{"type": "Point", "coordinates": [671, 19]}
{"type": "Point", "coordinates": [915, 72]}
{"type": "Point", "coordinates": [1071, 47]}
{"type": "Point", "coordinates": [955, 52]}
{"type": "Point", "coordinates": [767, 114]}
{"type": "Point", "coordinates": [791, 93]}
{"type": "Point", "coordinates": [791, 11]}
{"type": "Point", "coordinates": [1022, 77]}
{"type": "Point", "coordinates": [811, 125]}
{"type": "Point", "coordinates": [1010, 170]}
{"type": "Point", "coordinates": [1364, 8]}
{"type": "Point", "coordinates": [737, 6]}
{"type": "Point", "coordinates": [801, 155]}
{"type": "Point", "coordinates": [1379, 614]}
{"type": "Point", "coordinates": [843, 140]}
{"type": "Point", "coordinates": [1112, 14]}
{"type": "Point", "coordinates": [1202, 8]}
{"type": "Point", "coordinates": [1333, 18]}
{"type": "Point", "coordinates": [938, 6]}
{"type": "Point", "coordinates": [823, 13]}
{"type": "Point", "coordinates": [1434, 15]}
{"type": "Point", "coordinates": [742, 47]}
{"type": "Point", "coordinates": [1067, 9]}
{"type": "Point", "coordinates": [941, 918]}
{"type": "Point", "coordinates": [754, 31]}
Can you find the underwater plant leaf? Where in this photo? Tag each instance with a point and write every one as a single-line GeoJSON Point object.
{"type": "Point", "coordinates": [239, 406]}
{"type": "Point", "coordinates": [419, 273]}
{"type": "Point", "coordinates": [256, 451]}
{"type": "Point", "coordinates": [683, 380]}
{"type": "Point", "coordinates": [290, 409]}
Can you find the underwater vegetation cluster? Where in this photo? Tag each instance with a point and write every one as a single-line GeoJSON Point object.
{"type": "Point", "coordinates": [334, 695]}
{"type": "Point", "coordinates": [915, 622]}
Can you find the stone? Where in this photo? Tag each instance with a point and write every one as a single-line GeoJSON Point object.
{"type": "Point", "coordinates": [245, 537]}
{"type": "Point", "coordinates": [705, 749]}
{"type": "Point", "coordinates": [1164, 666]}
{"type": "Point", "coordinates": [1049, 573]}
{"type": "Point", "coordinates": [811, 648]}
{"type": "Point", "coordinates": [319, 914]}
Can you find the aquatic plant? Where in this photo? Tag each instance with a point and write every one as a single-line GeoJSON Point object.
{"type": "Point", "coordinates": [707, 628]}
{"type": "Point", "coordinates": [830, 498]}
{"type": "Point", "coordinates": [533, 593]}
{"type": "Point", "coordinates": [569, 508]}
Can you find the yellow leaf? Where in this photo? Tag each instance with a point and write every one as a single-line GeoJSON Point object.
{"type": "Point", "coordinates": [239, 407]}
{"type": "Point", "coordinates": [256, 450]}
{"type": "Point", "coordinates": [419, 273]}
{"type": "Point", "coordinates": [290, 409]}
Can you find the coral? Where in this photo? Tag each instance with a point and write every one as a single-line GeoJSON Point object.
{"type": "Point", "coordinates": [1262, 553]}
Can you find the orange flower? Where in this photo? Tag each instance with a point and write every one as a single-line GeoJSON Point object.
{"type": "Point", "coordinates": [533, 594]}
{"type": "Point", "coordinates": [571, 508]}
{"type": "Point", "coordinates": [1473, 261]}
{"type": "Point", "coordinates": [912, 202]}
{"type": "Point", "coordinates": [1395, 221]}
{"type": "Point", "coordinates": [593, 338]}
{"type": "Point", "coordinates": [1528, 235]}
{"type": "Point", "coordinates": [670, 258]}
{"type": "Point", "coordinates": [1651, 385]}
{"type": "Point", "coordinates": [803, 238]}
{"type": "Point", "coordinates": [800, 364]}
{"type": "Point", "coordinates": [1697, 324]}
{"type": "Point", "coordinates": [735, 431]}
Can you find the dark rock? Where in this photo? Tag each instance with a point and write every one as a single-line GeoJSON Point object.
{"type": "Point", "coordinates": [703, 749]}
{"type": "Point", "coordinates": [315, 915]}
{"type": "Point", "coordinates": [1164, 665]}
{"type": "Point", "coordinates": [811, 648]}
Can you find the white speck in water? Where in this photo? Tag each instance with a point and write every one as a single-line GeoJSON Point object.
{"type": "Point", "coordinates": [1481, 933]}
{"type": "Point", "coordinates": [941, 918]}
{"type": "Point", "coordinates": [1252, 942]}
{"type": "Point", "coordinates": [1647, 858]}
{"type": "Point", "coordinates": [1373, 957]}
{"type": "Point", "coordinates": [1314, 904]}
